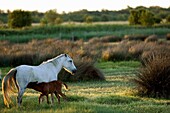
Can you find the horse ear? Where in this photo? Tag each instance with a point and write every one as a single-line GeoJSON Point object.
{"type": "Point", "coordinates": [65, 55]}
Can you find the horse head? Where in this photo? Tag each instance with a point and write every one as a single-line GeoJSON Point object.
{"type": "Point", "coordinates": [68, 64]}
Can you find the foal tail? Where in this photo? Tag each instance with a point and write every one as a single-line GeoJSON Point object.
{"type": "Point", "coordinates": [9, 85]}
{"type": "Point", "coordinates": [65, 85]}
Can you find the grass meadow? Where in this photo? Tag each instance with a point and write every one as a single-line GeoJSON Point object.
{"type": "Point", "coordinates": [115, 95]}
{"type": "Point", "coordinates": [99, 44]}
{"type": "Point", "coordinates": [79, 31]}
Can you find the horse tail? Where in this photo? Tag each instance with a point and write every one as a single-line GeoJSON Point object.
{"type": "Point", "coordinates": [65, 86]}
{"type": "Point", "coordinates": [9, 85]}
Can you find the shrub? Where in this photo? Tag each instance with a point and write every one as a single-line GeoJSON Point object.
{"type": "Point", "coordinates": [19, 18]}
{"type": "Point", "coordinates": [137, 49]}
{"type": "Point", "coordinates": [86, 71]}
{"type": "Point", "coordinates": [168, 19]}
{"type": "Point", "coordinates": [110, 39]}
{"type": "Point", "coordinates": [116, 53]}
{"type": "Point", "coordinates": [151, 38]}
{"type": "Point", "coordinates": [94, 40]}
{"type": "Point", "coordinates": [88, 19]}
{"type": "Point", "coordinates": [168, 36]}
{"type": "Point", "coordinates": [154, 48]}
{"type": "Point", "coordinates": [153, 79]}
{"type": "Point", "coordinates": [58, 20]}
{"type": "Point", "coordinates": [135, 37]}
{"type": "Point", "coordinates": [50, 16]}
{"type": "Point", "coordinates": [146, 18]}
{"type": "Point", "coordinates": [134, 17]}
{"type": "Point", "coordinates": [37, 51]}
{"type": "Point", "coordinates": [141, 17]}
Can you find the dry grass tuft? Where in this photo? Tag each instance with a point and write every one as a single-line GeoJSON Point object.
{"type": "Point", "coordinates": [152, 38]}
{"type": "Point", "coordinates": [110, 39]}
{"type": "Point", "coordinates": [168, 36]}
{"type": "Point", "coordinates": [86, 71]}
{"type": "Point", "coordinates": [153, 79]}
{"type": "Point", "coordinates": [135, 37]}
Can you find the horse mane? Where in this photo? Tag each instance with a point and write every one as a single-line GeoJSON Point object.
{"type": "Point", "coordinates": [50, 60]}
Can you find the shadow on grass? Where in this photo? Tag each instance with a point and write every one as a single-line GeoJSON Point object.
{"type": "Point", "coordinates": [116, 100]}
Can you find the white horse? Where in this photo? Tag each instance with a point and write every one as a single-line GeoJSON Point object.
{"type": "Point", "coordinates": [22, 75]}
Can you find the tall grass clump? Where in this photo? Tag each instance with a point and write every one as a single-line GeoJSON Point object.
{"type": "Point", "coordinates": [153, 79]}
{"type": "Point", "coordinates": [137, 49]}
{"type": "Point", "coordinates": [86, 71]}
{"type": "Point", "coordinates": [117, 52]}
{"type": "Point", "coordinates": [135, 37]}
{"type": "Point", "coordinates": [168, 36]}
{"type": "Point", "coordinates": [152, 38]}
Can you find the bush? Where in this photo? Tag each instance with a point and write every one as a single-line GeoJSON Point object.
{"type": "Point", "coordinates": [134, 17]}
{"type": "Point", "coordinates": [154, 48]}
{"type": "Point", "coordinates": [139, 48]}
{"type": "Point", "coordinates": [135, 37]}
{"type": "Point", "coordinates": [168, 36]}
{"type": "Point", "coordinates": [86, 71]}
{"type": "Point", "coordinates": [94, 40]}
{"type": "Point", "coordinates": [58, 20]}
{"type": "Point", "coordinates": [37, 51]}
{"type": "Point", "coordinates": [88, 19]}
{"type": "Point", "coordinates": [168, 19]}
{"type": "Point", "coordinates": [110, 39]}
{"type": "Point", "coordinates": [142, 17]}
{"type": "Point", "coordinates": [19, 18]}
{"type": "Point", "coordinates": [151, 38]}
{"type": "Point", "coordinates": [146, 18]}
{"type": "Point", "coordinates": [116, 53]}
{"type": "Point", "coordinates": [153, 79]}
{"type": "Point", "coordinates": [50, 16]}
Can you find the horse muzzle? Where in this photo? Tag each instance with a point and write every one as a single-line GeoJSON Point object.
{"type": "Point", "coordinates": [74, 71]}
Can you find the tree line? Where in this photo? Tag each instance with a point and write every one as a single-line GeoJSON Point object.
{"type": "Point", "coordinates": [136, 16]}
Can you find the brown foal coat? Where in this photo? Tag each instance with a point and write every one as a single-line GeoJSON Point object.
{"type": "Point", "coordinates": [49, 88]}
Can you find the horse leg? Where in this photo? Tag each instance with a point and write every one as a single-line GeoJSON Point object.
{"type": "Point", "coordinates": [20, 94]}
{"type": "Point", "coordinates": [58, 97]}
{"type": "Point", "coordinates": [41, 98]}
{"type": "Point", "coordinates": [52, 98]}
{"type": "Point", "coordinates": [63, 95]}
{"type": "Point", "coordinates": [47, 99]}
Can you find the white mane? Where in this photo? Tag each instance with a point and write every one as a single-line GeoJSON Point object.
{"type": "Point", "coordinates": [50, 60]}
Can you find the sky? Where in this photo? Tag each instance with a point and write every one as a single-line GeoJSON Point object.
{"type": "Point", "coordinates": [76, 5]}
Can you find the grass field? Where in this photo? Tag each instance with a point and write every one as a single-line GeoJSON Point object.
{"type": "Point", "coordinates": [80, 31]}
{"type": "Point", "coordinates": [115, 95]}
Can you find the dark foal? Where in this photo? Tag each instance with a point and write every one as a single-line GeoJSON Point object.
{"type": "Point", "coordinates": [49, 88]}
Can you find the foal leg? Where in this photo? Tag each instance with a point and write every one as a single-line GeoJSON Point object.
{"type": "Point", "coordinates": [58, 97]}
{"type": "Point", "coordinates": [63, 95]}
{"type": "Point", "coordinates": [52, 98]}
{"type": "Point", "coordinates": [40, 98]}
{"type": "Point", "coordinates": [47, 99]}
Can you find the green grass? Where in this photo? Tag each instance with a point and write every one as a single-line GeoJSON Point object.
{"type": "Point", "coordinates": [115, 95]}
{"type": "Point", "coordinates": [84, 31]}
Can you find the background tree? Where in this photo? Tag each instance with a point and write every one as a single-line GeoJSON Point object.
{"type": "Point", "coordinates": [1, 23]}
{"type": "Point", "coordinates": [88, 19]}
{"type": "Point", "coordinates": [51, 16]}
{"type": "Point", "coordinates": [19, 18]}
{"type": "Point", "coordinates": [58, 20]}
{"type": "Point", "coordinates": [146, 18]}
{"type": "Point", "coordinates": [168, 19]}
{"type": "Point", "coordinates": [36, 16]}
{"type": "Point", "coordinates": [134, 17]}
{"type": "Point", "coordinates": [157, 19]}
{"type": "Point", "coordinates": [43, 21]}
{"type": "Point", "coordinates": [3, 16]}
{"type": "Point", "coordinates": [104, 17]}
{"type": "Point", "coordinates": [142, 16]}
